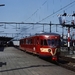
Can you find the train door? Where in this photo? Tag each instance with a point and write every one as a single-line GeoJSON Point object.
{"type": "Point", "coordinates": [36, 45]}
{"type": "Point", "coordinates": [41, 43]}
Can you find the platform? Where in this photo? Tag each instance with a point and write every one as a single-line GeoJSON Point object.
{"type": "Point", "coordinates": [17, 62]}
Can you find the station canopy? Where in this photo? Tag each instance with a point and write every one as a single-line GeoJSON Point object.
{"type": "Point", "coordinates": [2, 38]}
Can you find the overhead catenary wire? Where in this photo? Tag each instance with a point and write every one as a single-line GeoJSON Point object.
{"type": "Point", "coordinates": [36, 11]}
{"type": "Point", "coordinates": [57, 11]}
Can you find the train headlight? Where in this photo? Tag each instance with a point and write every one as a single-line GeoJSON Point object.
{"type": "Point", "coordinates": [49, 50]}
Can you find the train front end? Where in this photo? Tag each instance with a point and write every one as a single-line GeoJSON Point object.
{"type": "Point", "coordinates": [51, 46]}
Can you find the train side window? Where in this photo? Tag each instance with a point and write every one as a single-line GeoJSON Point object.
{"type": "Point", "coordinates": [37, 41]}
{"type": "Point", "coordinates": [41, 42]}
{"type": "Point", "coordinates": [26, 41]}
{"type": "Point", "coordinates": [23, 41]}
{"type": "Point", "coordinates": [30, 41]}
{"type": "Point", "coordinates": [34, 41]}
{"type": "Point", "coordinates": [45, 42]}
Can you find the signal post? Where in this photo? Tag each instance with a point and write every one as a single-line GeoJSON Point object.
{"type": "Point", "coordinates": [62, 21]}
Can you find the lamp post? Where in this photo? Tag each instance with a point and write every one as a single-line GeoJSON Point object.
{"type": "Point", "coordinates": [2, 4]}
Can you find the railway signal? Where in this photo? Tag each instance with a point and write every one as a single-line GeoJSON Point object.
{"type": "Point", "coordinates": [62, 21]}
{"type": "Point", "coordinates": [73, 20]}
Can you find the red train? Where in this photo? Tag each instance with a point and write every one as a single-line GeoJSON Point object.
{"type": "Point", "coordinates": [44, 44]}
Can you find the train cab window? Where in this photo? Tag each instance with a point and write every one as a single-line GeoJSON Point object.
{"type": "Point", "coordinates": [57, 42]}
{"type": "Point", "coordinates": [53, 42]}
{"type": "Point", "coordinates": [49, 42]}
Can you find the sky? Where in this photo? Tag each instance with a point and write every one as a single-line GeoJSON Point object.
{"type": "Point", "coordinates": [32, 11]}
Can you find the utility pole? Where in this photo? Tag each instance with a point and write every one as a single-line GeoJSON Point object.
{"type": "Point", "coordinates": [50, 26]}
{"type": "Point", "coordinates": [2, 5]}
{"type": "Point", "coordinates": [43, 27]}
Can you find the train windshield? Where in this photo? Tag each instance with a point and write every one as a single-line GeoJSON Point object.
{"type": "Point", "coordinates": [53, 42]}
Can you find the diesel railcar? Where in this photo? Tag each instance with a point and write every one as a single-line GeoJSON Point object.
{"type": "Point", "coordinates": [43, 44]}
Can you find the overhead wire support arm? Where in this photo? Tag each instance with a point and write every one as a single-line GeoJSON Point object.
{"type": "Point", "coordinates": [57, 11]}
{"type": "Point", "coordinates": [23, 23]}
{"type": "Point", "coordinates": [66, 25]}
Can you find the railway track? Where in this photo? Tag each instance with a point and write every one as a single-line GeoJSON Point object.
{"type": "Point", "coordinates": [67, 62]}
{"type": "Point", "coordinates": [70, 65]}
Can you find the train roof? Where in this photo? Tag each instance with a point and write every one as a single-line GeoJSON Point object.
{"type": "Point", "coordinates": [47, 33]}
{"type": "Point", "coordinates": [40, 34]}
